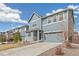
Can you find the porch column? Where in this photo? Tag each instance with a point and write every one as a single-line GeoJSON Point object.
{"type": "Point", "coordinates": [37, 35]}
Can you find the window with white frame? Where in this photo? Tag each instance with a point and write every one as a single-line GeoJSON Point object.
{"type": "Point", "coordinates": [29, 34]}
{"type": "Point", "coordinates": [34, 24]}
{"type": "Point", "coordinates": [65, 14]}
{"type": "Point", "coordinates": [49, 19]}
{"type": "Point", "coordinates": [54, 18]}
{"type": "Point", "coordinates": [60, 16]}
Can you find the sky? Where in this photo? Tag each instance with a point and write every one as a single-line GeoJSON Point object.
{"type": "Point", "coordinates": [13, 15]}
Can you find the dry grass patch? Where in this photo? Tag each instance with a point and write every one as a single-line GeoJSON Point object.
{"type": "Point", "coordinates": [9, 46]}
{"type": "Point", "coordinates": [14, 45]}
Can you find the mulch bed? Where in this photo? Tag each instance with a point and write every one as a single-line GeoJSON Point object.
{"type": "Point", "coordinates": [50, 52]}
{"type": "Point", "coordinates": [74, 51]}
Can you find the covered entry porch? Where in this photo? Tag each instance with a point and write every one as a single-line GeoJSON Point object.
{"type": "Point", "coordinates": [35, 35]}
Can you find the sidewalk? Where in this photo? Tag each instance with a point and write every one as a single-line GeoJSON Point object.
{"type": "Point", "coordinates": [30, 50]}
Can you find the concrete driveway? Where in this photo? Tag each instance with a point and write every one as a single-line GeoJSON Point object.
{"type": "Point", "coordinates": [30, 50]}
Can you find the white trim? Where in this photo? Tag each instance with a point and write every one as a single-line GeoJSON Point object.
{"type": "Point", "coordinates": [63, 15]}
{"type": "Point", "coordinates": [67, 25]}
{"type": "Point", "coordinates": [37, 35]}
{"type": "Point", "coordinates": [54, 31]}
{"type": "Point", "coordinates": [36, 19]}
{"type": "Point", "coordinates": [57, 17]}
{"type": "Point", "coordinates": [53, 23]}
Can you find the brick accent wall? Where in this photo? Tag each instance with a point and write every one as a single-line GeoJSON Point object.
{"type": "Point", "coordinates": [75, 38]}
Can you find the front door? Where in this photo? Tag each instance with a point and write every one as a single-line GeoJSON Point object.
{"type": "Point", "coordinates": [40, 35]}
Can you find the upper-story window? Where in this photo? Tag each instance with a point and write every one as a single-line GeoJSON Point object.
{"type": "Point", "coordinates": [54, 18]}
{"type": "Point", "coordinates": [29, 34]}
{"type": "Point", "coordinates": [65, 14]}
{"type": "Point", "coordinates": [60, 16]}
{"type": "Point", "coordinates": [49, 19]}
{"type": "Point", "coordinates": [27, 28]}
{"type": "Point", "coordinates": [34, 24]}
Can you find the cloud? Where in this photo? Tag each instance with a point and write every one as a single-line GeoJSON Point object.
{"type": "Point", "coordinates": [13, 20]}
{"type": "Point", "coordinates": [58, 10]}
{"type": "Point", "coordinates": [74, 7]}
{"type": "Point", "coordinates": [75, 16]}
{"type": "Point", "coordinates": [48, 14]}
{"type": "Point", "coordinates": [2, 5]}
{"type": "Point", "coordinates": [7, 14]}
{"type": "Point", "coordinates": [7, 9]}
{"type": "Point", "coordinates": [11, 15]}
{"type": "Point", "coordinates": [54, 11]}
{"type": "Point", "coordinates": [76, 12]}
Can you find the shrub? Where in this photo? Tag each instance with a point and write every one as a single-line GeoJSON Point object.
{"type": "Point", "coordinates": [70, 38]}
{"type": "Point", "coordinates": [16, 37]}
{"type": "Point", "coordinates": [58, 51]}
{"type": "Point", "coordinates": [2, 38]}
{"type": "Point", "coordinates": [67, 44]}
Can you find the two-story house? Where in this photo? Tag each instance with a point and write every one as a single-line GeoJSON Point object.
{"type": "Point", "coordinates": [56, 27]}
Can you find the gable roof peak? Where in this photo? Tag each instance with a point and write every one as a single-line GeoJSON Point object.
{"type": "Point", "coordinates": [34, 13]}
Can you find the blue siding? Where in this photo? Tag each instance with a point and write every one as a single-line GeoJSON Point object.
{"type": "Point", "coordinates": [61, 25]}
{"type": "Point", "coordinates": [34, 17]}
{"type": "Point", "coordinates": [37, 22]}
{"type": "Point", "coordinates": [54, 26]}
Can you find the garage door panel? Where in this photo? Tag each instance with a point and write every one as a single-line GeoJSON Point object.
{"type": "Point", "coordinates": [54, 37]}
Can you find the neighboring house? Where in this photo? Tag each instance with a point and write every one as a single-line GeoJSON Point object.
{"type": "Point", "coordinates": [22, 30]}
{"type": "Point", "coordinates": [23, 33]}
{"type": "Point", "coordinates": [56, 27]}
{"type": "Point", "coordinates": [8, 35]}
{"type": "Point", "coordinates": [2, 37]}
{"type": "Point", "coordinates": [75, 37]}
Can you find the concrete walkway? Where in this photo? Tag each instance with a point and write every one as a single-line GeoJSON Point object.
{"type": "Point", "coordinates": [30, 50]}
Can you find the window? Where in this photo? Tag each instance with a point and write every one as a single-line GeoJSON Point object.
{"type": "Point", "coordinates": [29, 34]}
{"type": "Point", "coordinates": [65, 14]}
{"type": "Point", "coordinates": [49, 21]}
{"type": "Point", "coordinates": [27, 28]}
{"type": "Point", "coordinates": [60, 16]}
{"type": "Point", "coordinates": [34, 25]}
{"type": "Point", "coordinates": [54, 18]}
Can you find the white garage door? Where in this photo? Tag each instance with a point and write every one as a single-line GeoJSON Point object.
{"type": "Point", "coordinates": [57, 37]}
